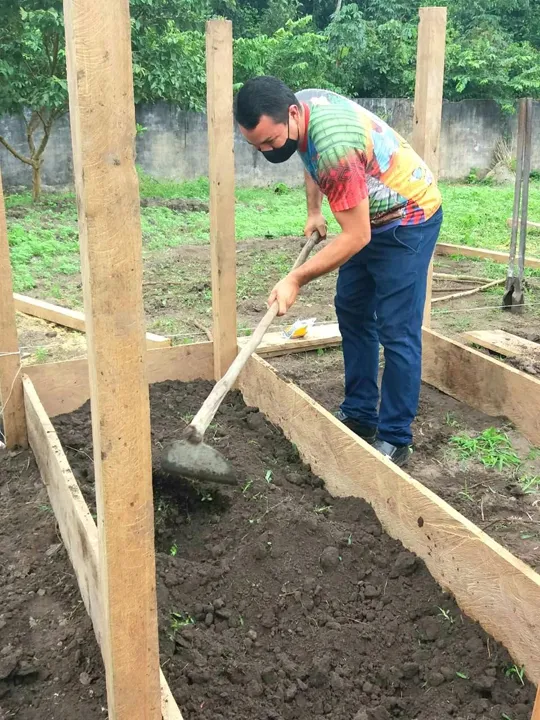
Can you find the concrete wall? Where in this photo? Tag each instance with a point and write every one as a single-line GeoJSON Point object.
{"type": "Point", "coordinates": [175, 145]}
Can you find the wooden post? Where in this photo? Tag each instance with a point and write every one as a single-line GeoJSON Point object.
{"type": "Point", "coordinates": [102, 117]}
{"type": "Point", "coordinates": [219, 74]}
{"type": "Point", "coordinates": [11, 389]}
{"type": "Point", "coordinates": [428, 95]}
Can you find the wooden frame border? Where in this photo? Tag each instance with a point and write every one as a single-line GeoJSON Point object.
{"type": "Point", "coordinates": [490, 584]}
{"type": "Point", "coordinates": [75, 522]}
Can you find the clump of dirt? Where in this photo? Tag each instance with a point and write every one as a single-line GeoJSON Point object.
{"type": "Point", "coordinates": [178, 204]}
{"type": "Point", "coordinates": [278, 601]}
{"type": "Point", "coordinates": [527, 363]}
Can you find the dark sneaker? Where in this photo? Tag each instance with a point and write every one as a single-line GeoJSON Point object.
{"type": "Point", "coordinates": [366, 432]}
{"type": "Point", "coordinates": [398, 454]}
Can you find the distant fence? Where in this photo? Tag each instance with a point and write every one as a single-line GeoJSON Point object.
{"type": "Point", "coordinates": [174, 145]}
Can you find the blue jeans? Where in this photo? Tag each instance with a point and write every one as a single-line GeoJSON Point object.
{"type": "Point", "coordinates": [380, 297]}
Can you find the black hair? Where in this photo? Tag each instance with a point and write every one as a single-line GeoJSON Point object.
{"type": "Point", "coordinates": [264, 95]}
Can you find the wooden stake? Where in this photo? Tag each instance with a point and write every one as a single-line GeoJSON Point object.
{"type": "Point", "coordinates": [428, 96]}
{"type": "Point", "coordinates": [102, 118]}
{"type": "Point", "coordinates": [219, 73]}
{"type": "Point", "coordinates": [11, 389]}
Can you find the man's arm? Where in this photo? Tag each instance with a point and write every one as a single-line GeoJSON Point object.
{"type": "Point", "coordinates": [355, 234]}
{"type": "Point", "coordinates": [314, 197]}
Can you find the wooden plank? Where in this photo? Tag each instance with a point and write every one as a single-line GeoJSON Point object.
{"type": "Point", "coordinates": [489, 583]}
{"type": "Point", "coordinates": [501, 342]}
{"type": "Point", "coordinates": [482, 382]}
{"type": "Point", "coordinates": [11, 392]}
{"type": "Point", "coordinates": [428, 97]}
{"type": "Point", "coordinates": [530, 225]}
{"type": "Point", "coordinates": [73, 319]}
{"type": "Point", "coordinates": [102, 120]}
{"type": "Point", "coordinates": [75, 522]}
{"type": "Point", "coordinates": [494, 255]}
{"type": "Point", "coordinates": [64, 386]}
{"type": "Point", "coordinates": [465, 293]}
{"type": "Point", "coordinates": [219, 74]}
{"type": "Point", "coordinates": [319, 336]}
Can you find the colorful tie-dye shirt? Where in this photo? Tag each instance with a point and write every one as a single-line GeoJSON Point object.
{"type": "Point", "coordinates": [352, 154]}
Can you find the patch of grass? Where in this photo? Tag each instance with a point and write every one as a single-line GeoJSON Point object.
{"type": "Point", "coordinates": [41, 354]}
{"type": "Point", "coordinates": [491, 447]}
{"type": "Point", "coordinates": [446, 615]}
{"type": "Point", "coordinates": [44, 238]}
{"type": "Point", "coordinates": [323, 509]}
{"type": "Point", "coordinates": [180, 620]}
{"type": "Point", "coordinates": [518, 673]}
{"type": "Point", "coordinates": [450, 420]}
{"type": "Point", "coordinates": [530, 484]}
{"type": "Point", "coordinates": [476, 215]}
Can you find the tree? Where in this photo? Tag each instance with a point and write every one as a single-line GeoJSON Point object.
{"type": "Point", "coordinates": [32, 77]}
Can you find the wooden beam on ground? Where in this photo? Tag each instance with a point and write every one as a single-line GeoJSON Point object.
{"type": "Point", "coordinates": [73, 319]}
{"type": "Point", "coordinates": [493, 255]}
{"type": "Point", "coordinates": [11, 391]}
{"type": "Point", "coordinates": [465, 293]}
{"type": "Point", "coordinates": [482, 382]}
{"type": "Point", "coordinates": [75, 522]}
{"type": "Point", "coordinates": [489, 583]}
{"type": "Point", "coordinates": [428, 97]}
{"type": "Point", "coordinates": [102, 119]}
{"type": "Point", "coordinates": [219, 74]}
{"type": "Point", "coordinates": [530, 225]}
{"type": "Point", "coordinates": [319, 336]}
{"type": "Point", "coordinates": [501, 342]}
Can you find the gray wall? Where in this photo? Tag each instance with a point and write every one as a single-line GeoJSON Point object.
{"type": "Point", "coordinates": [175, 146]}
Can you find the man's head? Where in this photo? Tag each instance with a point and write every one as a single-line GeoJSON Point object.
{"type": "Point", "coordinates": [268, 114]}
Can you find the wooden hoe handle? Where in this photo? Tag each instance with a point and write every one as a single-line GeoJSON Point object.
{"type": "Point", "coordinates": [197, 427]}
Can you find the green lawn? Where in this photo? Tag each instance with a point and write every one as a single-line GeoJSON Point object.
{"type": "Point", "coordinates": [44, 242]}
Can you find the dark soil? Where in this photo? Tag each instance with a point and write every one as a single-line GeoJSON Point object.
{"type": "Point", "coordinates": [527, 363]}
{"type": "Point", "coordinates": [492, 499]}
{"type": "Point", "coordinates": [275, 600]}
{"type": "Point", "coordinates": [50, 666]}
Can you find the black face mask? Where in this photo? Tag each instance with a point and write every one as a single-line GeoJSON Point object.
{"type": "Point", "coordinates": [283, 153]}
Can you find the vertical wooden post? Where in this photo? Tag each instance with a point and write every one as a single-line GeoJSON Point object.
{"type": "Point", "coordinates": [11, 389]}
{"type": "Point", "coordinates": [102, 116]}
{"type": "Point", "coordinates": [219, 104]}
{"type": "Point", "coordinates": [428, 96]}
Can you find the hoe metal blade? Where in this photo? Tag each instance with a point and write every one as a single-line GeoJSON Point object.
{"type": "Point", "coordinates": [197, 461]}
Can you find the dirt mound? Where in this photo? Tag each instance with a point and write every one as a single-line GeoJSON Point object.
{"type": "Point", "coordinates": [527, 363]}
{"type": "Point", "coordinates": [178, 204]}
{"type": "Point", "coordinates": [278, 601]}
